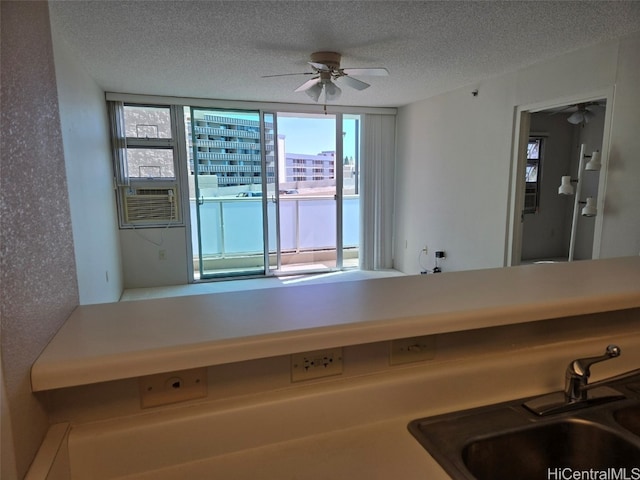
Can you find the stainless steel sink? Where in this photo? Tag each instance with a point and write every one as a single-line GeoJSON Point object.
{"type": "Point", "coordinates": [530, 453]}
{"type": "Point", "coordinates": [629, 418]}
{"type": "Point", "coordinates": [509, 441]}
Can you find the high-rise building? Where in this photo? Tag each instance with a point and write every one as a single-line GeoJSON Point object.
{"type": "Point", "coordinates": [230, 148]}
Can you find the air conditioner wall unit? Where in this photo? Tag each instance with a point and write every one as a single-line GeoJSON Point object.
{"type": "Point", "coordinates": [145, 206]}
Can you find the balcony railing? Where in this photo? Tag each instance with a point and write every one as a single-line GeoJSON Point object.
{"type": "Point", "coordinates": [233, 226]}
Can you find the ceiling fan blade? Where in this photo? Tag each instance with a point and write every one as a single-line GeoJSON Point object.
{"type": "Point", "coordinates": [331, 91]}
{"type": "Point", "coordinates": [354, 82]}
{"type": "Point", "coordinates": [287, 74]}
{"type": "Point", "coordinates": [378, 72]}
{"type": "Point", "coordinates": [562, 109]}
{"type": "Point", "coordinates": [307, 85]}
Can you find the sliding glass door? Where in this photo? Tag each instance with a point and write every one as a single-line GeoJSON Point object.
{"type": "Point", "coordinates": [306, 192]}
{"type": "Point", "coordinates": [273, 193]}
{"type": "Point", "coordinates": [351, 169]}
{"type": "Point", "coordinates": [227, 173]}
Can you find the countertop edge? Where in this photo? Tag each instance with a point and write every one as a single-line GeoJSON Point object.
{"type": "Point", "coordinates": [49, 372]}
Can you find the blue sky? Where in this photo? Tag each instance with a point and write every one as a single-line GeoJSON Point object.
{"type": "Point", "coordinates": [313, 135]}
{"type": "Point", "coordinates": [304, 134]}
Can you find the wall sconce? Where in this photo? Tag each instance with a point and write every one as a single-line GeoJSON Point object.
{"type": "Point", "coordinates": [594, 162]}
{"type": "Point", "coordinates": [566, 188]}
{"type": "Point", "coordinates": [590, 209]}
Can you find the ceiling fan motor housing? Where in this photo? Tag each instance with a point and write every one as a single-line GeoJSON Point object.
{"type": "Point", "coordinates": [330, 59]}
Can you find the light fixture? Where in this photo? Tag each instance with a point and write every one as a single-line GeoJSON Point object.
{"type": "Point", "coordinates": [316, 86]}
{"type": "Point", "coordinates": [594, 162]}
{"type": "Point", "coordinates": [566, 188]}
{"type": "Point", "coordinates": [582, 115]}
{"type": "Point", "coordinates": [314, 91]}
{"type": "Point", "coordinates": [590, 209]}
{"type": "Point", "coordinates": [331, 91]}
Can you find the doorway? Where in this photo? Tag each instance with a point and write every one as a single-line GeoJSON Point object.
{"type": "Point", "coordinates": [548, 226]}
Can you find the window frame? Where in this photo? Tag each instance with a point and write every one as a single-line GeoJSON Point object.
{"type": "Point", "coordinates": [125, 184]}
{"type": "Point", "coordinates": [532, 189]}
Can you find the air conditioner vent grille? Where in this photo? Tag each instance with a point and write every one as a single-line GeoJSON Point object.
{"type": "Point", "coordinates": [151, 205]}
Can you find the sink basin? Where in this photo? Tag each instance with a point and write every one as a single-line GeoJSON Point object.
{"type": "Point", "coordinates": [508, 441]}
{"type": "Point", "coordinates": [629, 418]}
{"type": "Point", "coordinates": [530, 452]}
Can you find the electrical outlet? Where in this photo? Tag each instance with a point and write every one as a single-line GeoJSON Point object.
{"type": "Point", "coordinates": [316, 364]}
{"type": "Point", "coordinates": [173, 387]}
{"type": "Point", "coordinates": [414, 349]}
{"type": "Point", "coordinates": [425, 249]}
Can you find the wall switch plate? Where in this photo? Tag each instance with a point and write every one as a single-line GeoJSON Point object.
{"type": "Point", "coordinates": [414, 349]}
{"type": "Point", "coordinates": [173, 387]}
{"type": "Point", "coordinates": [316, 364]}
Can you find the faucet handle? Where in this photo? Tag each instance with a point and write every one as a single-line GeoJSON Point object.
{"type": "Point", "coordinates": [581, 365]}
{"type": "Point", "coordinates": [578, 373]}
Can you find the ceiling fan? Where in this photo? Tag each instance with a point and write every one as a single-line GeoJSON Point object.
{"type": "Point", "coordinates": [326, 71]}
{"type": "Point", "coordinates": [582, 113]}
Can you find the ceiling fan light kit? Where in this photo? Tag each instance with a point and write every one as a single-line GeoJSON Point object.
{"type": "Point", "coordinates": [327, 71]}
{"type": "Point", "coordinates": [582, 115]}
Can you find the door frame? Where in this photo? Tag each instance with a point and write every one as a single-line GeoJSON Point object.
{"type": "Point", "coordinates": [338, 196]}
{"type": "Point", "coordinates": [517, 184]}
{"type": "Point", "coordinates": [268, 270]}
{"type": "Point", "coordinates": [248, 273]}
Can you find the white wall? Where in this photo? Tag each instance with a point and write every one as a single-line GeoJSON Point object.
{"type": "Point", "coordinates": [85, 135]}
{"type": "Point", "coordinates": [452, 177]}
{"type": "Point", "coordinates": [454, 158]}
{"type": "Point", "coordinates": [621, 221]}
{"type": "Point", "coordinates": [144, 266]}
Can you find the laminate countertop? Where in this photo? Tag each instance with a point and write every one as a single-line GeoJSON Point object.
{"type": "Point", "coordinates": [129, 339]}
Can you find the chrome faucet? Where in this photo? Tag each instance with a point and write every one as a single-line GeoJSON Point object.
{"type": "Point", "coordinates": [578, 392]}
{"type": "Point", "coordinates": [577, 374]}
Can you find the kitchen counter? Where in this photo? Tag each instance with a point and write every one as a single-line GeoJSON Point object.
{"type": "Point", "coordinates": [129, 339]}
{"type": "Point", "coordinates": [344, 428]}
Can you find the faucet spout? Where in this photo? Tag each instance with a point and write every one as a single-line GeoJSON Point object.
{"type": "Point", "coordinates": [578, 393]}
{"type": "Point", "coordinates": [578, 372]}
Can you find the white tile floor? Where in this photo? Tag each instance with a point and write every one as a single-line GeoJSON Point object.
{"type": "Point", "coordinates": [252, 284]}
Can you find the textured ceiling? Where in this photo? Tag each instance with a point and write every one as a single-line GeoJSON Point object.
{"type": "Point", "coordinates": [220, 50]}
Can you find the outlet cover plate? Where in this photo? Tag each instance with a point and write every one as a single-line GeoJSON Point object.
{"type": "Point", "coordinates": [172, 387]}
{"type": "Point", "coordinates": [414, 349]}
{"type": "Point", "coordinates": [316, 364]}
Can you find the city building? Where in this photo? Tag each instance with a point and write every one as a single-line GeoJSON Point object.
{"type": "Point", "coordinates": [230, 149]}
{"type": "Point", "coordinates": [303, 168]}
